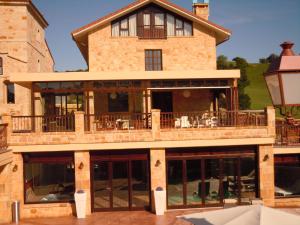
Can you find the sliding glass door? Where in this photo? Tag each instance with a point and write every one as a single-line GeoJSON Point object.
{"type": "Point", "coordinates": [201, 181]}
{"type": "Point", "coordinates": [120, 183]}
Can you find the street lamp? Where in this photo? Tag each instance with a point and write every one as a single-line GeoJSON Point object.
{"type": "Point", "coordinates": [283, 80]}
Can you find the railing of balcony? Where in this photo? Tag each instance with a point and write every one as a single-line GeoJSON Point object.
{"type": "Point", "coordinates": [117, 121]}
{"type": "Point", "coordinates": [45, 123]}
{"type": "Point", "coordinates": [287, 134]}
{"type": "Point", "coordinates": [213, 119]}
{"type": "Point", "coordinates": [3, 137]}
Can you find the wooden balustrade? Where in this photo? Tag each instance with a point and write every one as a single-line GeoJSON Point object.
{"type": "Point", "coordinates": [213, 119]}
{"type": "Point", "coordinates": [53, 123]}
{"type": "Point", "coordinates": [138, 121]}
{"type": "Point", "coordinates": [287, 134]}
{"type": "Point", "coordinates": [3, 137]}
{"type": "Point", "coordinates": [117, 121]}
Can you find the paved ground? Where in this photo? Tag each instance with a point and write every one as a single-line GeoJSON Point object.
{"type": "Point", "coordinates": [125, 218]}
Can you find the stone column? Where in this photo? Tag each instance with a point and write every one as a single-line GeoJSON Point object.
{"type": "Point", "coordinates": [158, 172]}
{"type": "Point", "coordinates": [155, 120]}
{"type": "Point", "coordinates": [271, 118]}
{"type": "Point", "coordinates": [266, 174]}
{"type": "Point", "coordinates": [17, 181]}
{"type": "Point", "coordinates": [82, 175]}
{"type": "Point", "coordinates": [79, 122]}
{"type": "Point", "coordinates": [7, 119]}
{"type": "Point", "coordinates": [5, 193]}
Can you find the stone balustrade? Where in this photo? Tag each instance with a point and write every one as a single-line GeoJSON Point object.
{"type": "Point", "coordinates": [153, 133]}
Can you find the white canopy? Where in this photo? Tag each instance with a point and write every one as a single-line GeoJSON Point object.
{"type": "Point", "coordinates": [244, 215]}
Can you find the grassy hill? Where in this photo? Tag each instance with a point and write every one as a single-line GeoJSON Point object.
{"type": "Point", "coordinates": [257, 90]}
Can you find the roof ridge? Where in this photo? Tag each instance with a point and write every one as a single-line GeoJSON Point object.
{"type": "Point", "coordinates": [136, 3]}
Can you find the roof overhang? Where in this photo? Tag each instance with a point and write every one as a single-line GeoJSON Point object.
{"type": "Point", "coordinates": [80, 35]}
{"type": "Point", "coordinates": [127, 75]}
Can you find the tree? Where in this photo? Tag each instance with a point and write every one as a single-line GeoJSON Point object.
{"type": "Point", "coordinates": [244, 99]}
{"type": "Point", "coordinates": [263, 61]}
{"type": "Point", "coordinates": [222, 62]}
{"type": "Point", "coordinates": [241, 64]}
{"type": "Point", "coordinates": [273, 57]}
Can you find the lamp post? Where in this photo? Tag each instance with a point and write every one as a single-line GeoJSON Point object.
{"type": "Point", "coordinates": [283, 81]}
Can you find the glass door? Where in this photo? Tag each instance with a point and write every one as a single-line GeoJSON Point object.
{"type": "Point", "coordinates": [120, 185]}
{"type": "Point", "coordinates": [101, 185]}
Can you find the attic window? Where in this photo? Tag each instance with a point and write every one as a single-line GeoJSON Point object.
{"type": "Point", "coordinates": [124, 27]}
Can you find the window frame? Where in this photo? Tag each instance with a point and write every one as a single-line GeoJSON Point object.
{"type": "Point", "coordinates": [280, 160]}
{"type": "Point", "coordinates": [7, 93]}
{"type": "Point", "coordinates": [1, 66]}
{"type": "Point", "coordinates": [47, 158]}
{"type": "Point", "coordinates": [153, 65]}
{"type": "Point", "coordinates": [124, 29]}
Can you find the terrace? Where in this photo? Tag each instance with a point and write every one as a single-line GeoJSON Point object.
{"type": "Point", "coordinates": [136, 111]}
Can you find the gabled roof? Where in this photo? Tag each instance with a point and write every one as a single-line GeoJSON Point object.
{"type": "Point", "coordinates": [80, 34]}
{"type": "Point", "coordinates": [139, 3]}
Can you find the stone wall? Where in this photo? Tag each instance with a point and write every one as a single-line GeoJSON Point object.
{"type": "Point", "coordinates": [108, 53]}
{"type": "Point", "coordinates": [23, 49]}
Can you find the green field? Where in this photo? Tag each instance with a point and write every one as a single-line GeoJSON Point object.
{"type": "Point", "coordinates": [257, 90]}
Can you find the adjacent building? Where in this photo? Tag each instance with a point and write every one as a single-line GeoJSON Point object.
{"type": "Point", "coordinates": [152, 111]}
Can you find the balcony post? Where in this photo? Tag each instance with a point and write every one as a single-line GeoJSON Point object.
{"type": "Point", "coordinates": [155, 120]}
{"type": "Point", "coordinates": [79, 122]}
{"type": "Point", "coordinates": [7, 119]}
{"type": "Point", "coordinates": [271, 118]}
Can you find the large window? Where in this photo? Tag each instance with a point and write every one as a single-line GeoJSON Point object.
{"type": "Point", "coordinates": [152, 22]}
{"type": "Point", "coordinates": [153, 60]}
{"type": "Point", "coordinates": [1, 66]}
{"type": "Point", "coordinates": [118, 102]}
{"type": "Point", "coordinates": [10, 93]}
{"type": "Point", "coordinates": [49, 177]}
{"type": "Point", "coordinates": [287, 175]}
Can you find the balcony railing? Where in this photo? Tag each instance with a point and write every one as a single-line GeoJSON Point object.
{"type": "Point", "coordinates": [117, 121]}
{"type": "Point", "coordinates": [287, 134]}
{"type": "Point", "coordinates": [213, 119]}
{"type": "Point", "coordinates": [28, 124]}
{"type": "Point", "coordinates": [3, 137]}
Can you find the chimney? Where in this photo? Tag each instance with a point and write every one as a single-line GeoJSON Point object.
{"type": "Point", "coordinates": [201, 8]}
{"type": "Point", "coordinates": [287, 49]}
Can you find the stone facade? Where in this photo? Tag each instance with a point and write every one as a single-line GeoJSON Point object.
{"type": "Point", "coordinates": [23, 48]}
{"type": "Point", "coordinates": [107, 53]}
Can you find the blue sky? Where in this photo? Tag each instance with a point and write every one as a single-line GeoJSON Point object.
{"type": "Point", "coordinates": [258, 26]}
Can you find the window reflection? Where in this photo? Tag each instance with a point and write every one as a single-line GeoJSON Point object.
{"type": "Point", "coordinates": [287, 175]}
{"type": "Point", "coordinates": [49, 179]}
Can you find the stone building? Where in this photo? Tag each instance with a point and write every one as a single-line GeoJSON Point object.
{"type": "Point", "coordinates": [152, 111]}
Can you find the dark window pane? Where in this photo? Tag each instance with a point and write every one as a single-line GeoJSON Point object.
{"type": "Point", "coordinates": [175, 183]}
{"type": "Point", "coordinates": [118, 102]}
{"type": "Point", "coordinates": [287, 175]}
{"type": "Point", "coordinates": [49, 181]}
{"type": "Point", "coordinates": [1, 66]}
{"type": "Point", "coordinates": [10, 93]}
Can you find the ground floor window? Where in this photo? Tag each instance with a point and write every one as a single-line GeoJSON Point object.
{"type": "Point", "coordinates": [287, 175]}
{"type": "Point", "coordinates": [49, 177]}
{"type": "Point", "coordinates": [207, 177]}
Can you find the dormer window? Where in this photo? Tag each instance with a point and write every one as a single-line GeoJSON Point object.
{"type": "Point", "coordinates": [125, 27]}
{"type": "Point", "coordinates": [152, 22]}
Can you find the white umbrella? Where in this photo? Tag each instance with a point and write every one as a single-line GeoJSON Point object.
{"type": "Point", "coordinates": [244, 215]}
